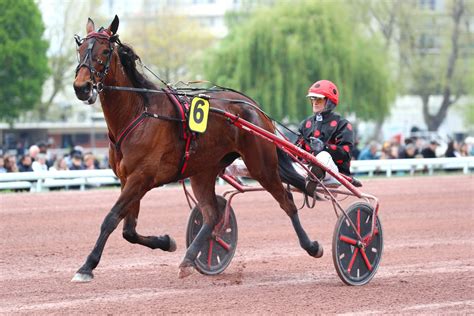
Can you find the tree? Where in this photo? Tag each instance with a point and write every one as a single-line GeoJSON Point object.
{"type": "Point", "coordinates": [22, 56]}
{"type": "Point", "coordinates": [446, 71]}
{"type": "Point", "coordinates": [281, 50]}
{"type": "Point", "coordinates": [69, 18]}
{"type": "Point", "coordinates": [169, 44]}
{"type": "Point", "coordinates": [380, 18]}
{"type": "Point", "coordinates": [434, 46]}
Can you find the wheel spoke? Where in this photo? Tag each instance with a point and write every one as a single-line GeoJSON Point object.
{"type": "Point", "coordinates": [367, 239]}
{"type": "Point", "coordinates": [224, 245]}
{"type": "Point", "coordinates": [348, 240]}
{"type": "Point", "coordinates": [354, 255]}
{"type": "Point", "coordinates": [366, 260]}
{"type": "Point", "coordinates": [209, 254]}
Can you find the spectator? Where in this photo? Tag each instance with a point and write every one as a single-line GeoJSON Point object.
{"type": "Point", "coordinates": [386, 151]}
{"type": "Point", "coordinates": [395, 150]}
{"type": "Point", "coordinates": [89, 162]}
{"type": "Point", "coordinates": [408, 152]}
{"type": "Point", "coordinates": [76, 162]}
{"type": "Point", "coordinates": [40, 163]}
{"type": "Point", "coordinates": [452, 150]}
{"type": "Point", "coordinates": [430, 150]}
{"type": "Point", "coordinates": [43, 149]}
{"type": "Point", "coordinates": [410, 143]}
{"type": "Point", "coordinates": [464, 150]}
{"type": "Point", "coordinates": [10, 163]}
{"type": "Point", "coordinates": [420, 143]}
{"type": "Point", "coordinates": [369, 152]}
{"type": "Point", "coordinates": [33, 152]}
{"type": "Point", "coordinates": [77, 150]}
{"type": "Point", "coordinates": [59, 164]}
{"type": "Point", "coordinates": [2, 165]}
{"type": "Point", "coordinates": [25, 164]}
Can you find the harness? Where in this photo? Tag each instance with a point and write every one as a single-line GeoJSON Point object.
{"type": "Point", "coordinates": [181, 105]}
{"type": "Point", "coordinates": [178, 97]}
{"type": "Point", "coordinates": [87, 60]}
{"type": "Point", "coordinates": [185, 134]}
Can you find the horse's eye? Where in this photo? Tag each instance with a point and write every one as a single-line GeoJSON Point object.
{"type": "Point", "coordinates": [106, 52]}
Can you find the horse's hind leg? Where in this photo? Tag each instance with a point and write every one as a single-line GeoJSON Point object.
{"type": "Point", "coordinates": [263, 166]}
{"type": "Point", "coordinates": [203, 186]}
{"type": "Point", "coordinates": [165, 242]}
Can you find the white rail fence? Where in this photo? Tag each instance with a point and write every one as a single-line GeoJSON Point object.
{"type": "Point", "coordinates": [410, 166]}
{"type": "Point", "coordinates": [83, 179]}
{"type": "Point", "coordinates": [45, 180]}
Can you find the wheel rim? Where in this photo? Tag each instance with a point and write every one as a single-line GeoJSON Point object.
{"type": "Point", "coordinates": [217, 253]}
{"type": "Point", "coordinates": [357, 265]}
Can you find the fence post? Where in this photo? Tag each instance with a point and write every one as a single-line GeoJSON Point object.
{"type": "Point", "coordinates": [39, 185]}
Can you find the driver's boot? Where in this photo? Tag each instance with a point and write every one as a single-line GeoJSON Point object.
{"type": "Point", "coordinates": [310, 184]}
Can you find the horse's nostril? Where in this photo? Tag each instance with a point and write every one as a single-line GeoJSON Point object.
{"type": "Point", "coordinates": [84, 89]}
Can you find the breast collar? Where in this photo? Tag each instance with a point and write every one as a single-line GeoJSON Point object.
{"type": "Point", "coordinates": [182, 108]}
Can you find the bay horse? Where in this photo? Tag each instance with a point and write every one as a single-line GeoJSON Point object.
{"type": "Point", "coordinates": [148, 153]}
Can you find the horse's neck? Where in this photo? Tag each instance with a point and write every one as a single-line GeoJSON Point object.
{"type": "Point", "coordinates": [120, 107]}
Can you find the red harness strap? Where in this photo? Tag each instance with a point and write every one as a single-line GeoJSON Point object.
{"type": "Point", "coordinates": [182, 107]}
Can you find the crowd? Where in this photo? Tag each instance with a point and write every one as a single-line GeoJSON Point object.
{"type": "Point", "coordinates": [39, 158]}
{"type": "Point", "coordinates": [412, 148]}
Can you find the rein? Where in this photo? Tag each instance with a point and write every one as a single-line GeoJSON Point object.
{"type": "Point", "coordinates": [200, 95]}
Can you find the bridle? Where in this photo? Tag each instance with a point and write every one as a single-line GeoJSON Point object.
{"type": "Point", "coordinates": [87, 61]}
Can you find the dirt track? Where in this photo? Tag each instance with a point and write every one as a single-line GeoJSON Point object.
{"type": "Point", "coordinates": [427, 265]}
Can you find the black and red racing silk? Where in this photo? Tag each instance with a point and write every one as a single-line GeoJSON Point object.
{"type": "Point", "coordinates": [335, 132]}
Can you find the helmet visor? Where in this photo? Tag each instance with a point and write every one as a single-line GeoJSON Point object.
{"type": "Point", "coordinates": [315, 95]}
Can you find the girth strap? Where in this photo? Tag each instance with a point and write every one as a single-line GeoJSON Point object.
{"type": "Point", "coordinates": [182, 107]}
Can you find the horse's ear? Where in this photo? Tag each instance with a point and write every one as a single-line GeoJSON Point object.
{"type": "Point", "coordinates": [113, 27]}
{"type": "Point", "coordinates": [90, 27]}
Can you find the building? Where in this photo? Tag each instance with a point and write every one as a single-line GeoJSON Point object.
{"type": "Point", "coordinates": [209, 13]}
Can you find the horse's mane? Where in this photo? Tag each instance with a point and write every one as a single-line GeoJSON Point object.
{"type": "Point", "coordinates": [128, 58]}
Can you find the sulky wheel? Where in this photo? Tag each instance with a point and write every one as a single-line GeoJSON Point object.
{"type": "Point", "coordinates": [356, 263]}
{"type": "Point", "coordinates": [217, 252]}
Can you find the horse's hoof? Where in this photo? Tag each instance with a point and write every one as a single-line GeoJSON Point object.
{"type": "Point", "coordinates": [173, 246]}
{"type": "Point", "coordinates": [185, 272]}
{"type": "Point", "coordinates": [316, 250]}
{"type": "Point", "coordinates": [82, 278]}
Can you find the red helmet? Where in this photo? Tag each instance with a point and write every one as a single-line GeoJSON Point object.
{"type": "Point", "coordinates": [324, 88]}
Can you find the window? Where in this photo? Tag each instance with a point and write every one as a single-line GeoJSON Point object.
{"type": "Point", "coordinates": [427, 4]}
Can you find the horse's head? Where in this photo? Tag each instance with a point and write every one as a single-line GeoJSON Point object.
{"type": "Point", "coordinates": [95, 56]}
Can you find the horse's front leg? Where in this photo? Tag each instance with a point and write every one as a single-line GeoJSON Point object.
{"type": "Point", "coordinates": [165, 242]}
{"type": "Point", "coordinates": [132, 192]}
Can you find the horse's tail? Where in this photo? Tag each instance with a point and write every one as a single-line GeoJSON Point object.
{"type": "Point", "coordinates": [288, 174]}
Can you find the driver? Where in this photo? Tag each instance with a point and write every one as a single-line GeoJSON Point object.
{"type": "Point", "coordinates": [326, 134]}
